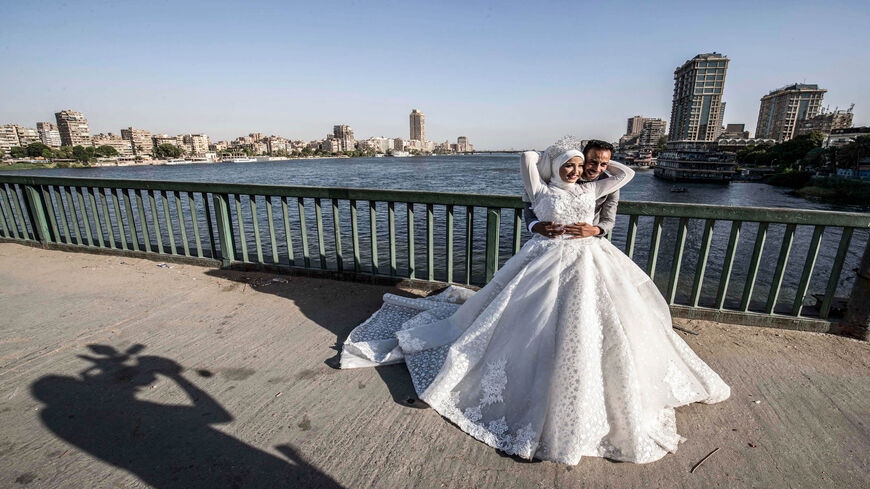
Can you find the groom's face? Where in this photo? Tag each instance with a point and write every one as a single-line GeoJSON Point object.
{"type": "Point", "coordinates": [596, 162]}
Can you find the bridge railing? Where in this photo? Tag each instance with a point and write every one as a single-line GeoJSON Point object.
{"type": "Point", "coordinates": [750, 265]}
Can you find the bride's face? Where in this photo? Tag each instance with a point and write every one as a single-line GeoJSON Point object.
{"type": "Point", "coordinates": [570, 171]}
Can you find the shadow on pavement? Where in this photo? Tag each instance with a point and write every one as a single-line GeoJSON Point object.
{"type": "Point", "coordinates": [337, 313]}
{"type": "Point", "coordinates": [166, 446]}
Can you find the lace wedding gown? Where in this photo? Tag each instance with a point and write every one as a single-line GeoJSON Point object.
{"type": "Point", "coordinates": [568, 352]}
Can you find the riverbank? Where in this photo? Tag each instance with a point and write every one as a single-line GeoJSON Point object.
{"type": "Point", "coordinates": [837, 189]}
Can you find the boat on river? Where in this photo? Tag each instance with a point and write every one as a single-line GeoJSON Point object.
{"type": "Point", "coordinates": [695, 161]}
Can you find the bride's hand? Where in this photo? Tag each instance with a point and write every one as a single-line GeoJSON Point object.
{"type": "Point", "coordinates": [581, 230]}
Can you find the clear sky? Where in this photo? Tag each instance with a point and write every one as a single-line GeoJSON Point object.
{"type": "Point", "coordinates": [507, 75]}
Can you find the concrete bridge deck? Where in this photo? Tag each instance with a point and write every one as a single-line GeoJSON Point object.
{"type": "Point", "coordinates": [116, 372]}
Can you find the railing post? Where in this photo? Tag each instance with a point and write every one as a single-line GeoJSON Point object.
{"type": "Point", "coordinates": [224, 229]}
{"type": "Point", "coordinates": [493, 223]}
{"type": "Point", "coordinates": [858, 308]}
{"type": "Point", "coordinates": [37, 214]}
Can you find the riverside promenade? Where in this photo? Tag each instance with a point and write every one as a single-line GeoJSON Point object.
{"type": "Point", "coordinates": [119, 372]}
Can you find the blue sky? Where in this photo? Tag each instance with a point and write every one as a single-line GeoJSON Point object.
{"type": "Point", "coordinates": [507, 75]}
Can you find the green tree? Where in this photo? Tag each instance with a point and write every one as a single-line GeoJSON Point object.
{"type": "Point", "coordinates": [65, 152]}
{"type": "Point", "coordinates": [81, 154]}
{"type": "Point", "coordinates": [35, 150]}
{"type": "Point", "coordinates": [48, 153]}
{"type": "Point", "coordinates": [106, 151]}
{"type": "Point", "coordinates": [18, 152]}
{"type": "Point", "coordinates": [167, 150]}
{"type": "Point", "coordinates": [815, 158]}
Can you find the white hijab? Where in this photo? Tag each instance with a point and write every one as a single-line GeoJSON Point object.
{"type": "Point", "coordinates": [555, 163]}
{"type": "Point", "coordinates": [553, 158]}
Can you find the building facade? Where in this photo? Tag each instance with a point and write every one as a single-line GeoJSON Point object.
{"type": "Point", "coordinates": [344, 135]}
{"type": "Point", "coordinates": [651, 131]}
{"type": "Point", "coordinates": [462, 145]}
{"type": "Point", "coordinates": [196, 144]}
{"type": "Point", "coordinates": [418, 125]}
{"type": "Point", "coordinates": [48, 134]}
{"type": "Point", "coordinates": [27, 135]}
{"type": "Point", "coordinates": [123, 146]}
{"type": "Point", "coordinates": [783, 109]}
{"type": "Point", "coordinates": [842, 137]}
{"type": "Point", "coordinates": [635, 125]}
{"type": "Point", "coordinates": [73, 128]}
{"type": "Point", "coordinates": [8, 137]}
{"type": "Point", "coordinates": [826, 122]}
{"type": "Point", "coordinates": [696, 110]}
{"type": "Point", "coordinates": [377, 144]}
{"type": "Point", "coordinates": [140, 141]}
{"type": "Point", "coordinates": [734, 131]}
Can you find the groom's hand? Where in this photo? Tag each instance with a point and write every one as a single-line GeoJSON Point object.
{"type": "Point", "coordinates": [548, 229]}
{"type": "Point", "coordinates": [581, 230]}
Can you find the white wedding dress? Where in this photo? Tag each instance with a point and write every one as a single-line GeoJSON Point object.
{"type": "Point", "coordinates": [568, 352]}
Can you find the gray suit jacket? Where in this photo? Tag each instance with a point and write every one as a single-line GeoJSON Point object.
{"type": "Point", "coordinates": [605, 211]}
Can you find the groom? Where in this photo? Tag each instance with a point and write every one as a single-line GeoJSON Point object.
{"type": "Point", "coordinates": [596, 156]}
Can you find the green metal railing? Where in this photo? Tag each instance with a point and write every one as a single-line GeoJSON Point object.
{"type": "Point", "coordinates": [443, 237]}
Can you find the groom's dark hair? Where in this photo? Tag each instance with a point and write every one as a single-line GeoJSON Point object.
{"type": "Point", "coordinates": [596, 144]}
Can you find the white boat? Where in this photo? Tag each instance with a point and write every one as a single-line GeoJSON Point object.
{"type": "Point", "coordinates": [243, 160]}
{"type": "Point", "coordinates": [401, 154]}
{"type": "Point", "coordinates": [177, 161]}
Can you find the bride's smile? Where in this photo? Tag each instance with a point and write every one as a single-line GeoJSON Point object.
{"type": "Point", "coordinates": [571, 170]}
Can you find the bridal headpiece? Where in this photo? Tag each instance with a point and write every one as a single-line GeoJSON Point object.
{"type": "Point", "coordinates": [556, 155]}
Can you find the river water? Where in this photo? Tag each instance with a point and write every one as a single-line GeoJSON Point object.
{"type": "Point", "coordinates": [499, 174]}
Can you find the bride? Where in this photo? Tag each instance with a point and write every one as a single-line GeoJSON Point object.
{"type": "Point", "coordinates": [568, 352]}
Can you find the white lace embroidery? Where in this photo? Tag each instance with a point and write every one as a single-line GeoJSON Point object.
{"type": "Point", "coordinates": [494, 382]}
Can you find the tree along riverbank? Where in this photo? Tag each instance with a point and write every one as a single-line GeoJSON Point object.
{"type": "Point", "coordinates": [839, 189]}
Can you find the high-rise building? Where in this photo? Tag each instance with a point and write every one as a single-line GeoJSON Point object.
{"type": "Point", "coordinates": [697, 102]}
{"type": "Point", "coordinates": [635, 125]}
{"type": "Point", "coordinates": [8, 137]}
{"type": "Point", "coordinates": [418, 125]}
{"type": "Point", "coordinates": [48, 134]}
{"type": "Point", "coordinates": [140, 141]}
{"type": "Point", "coordinates": [73, 128]}
{"type": "Point", "coordinates": [784, 108]}
{"type": "Point", "coordinates": [344, 135]}
{"type": "Point", "coordinates": [651, 131]}
{"type": "Point", "coordinates": [462, 145]}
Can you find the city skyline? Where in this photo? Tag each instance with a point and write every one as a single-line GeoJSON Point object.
{"type": "Point", "coordinates": [513, 77]}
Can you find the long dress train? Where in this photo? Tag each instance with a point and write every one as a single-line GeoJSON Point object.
{"type": "Point", "coordinates": [568, 352]}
